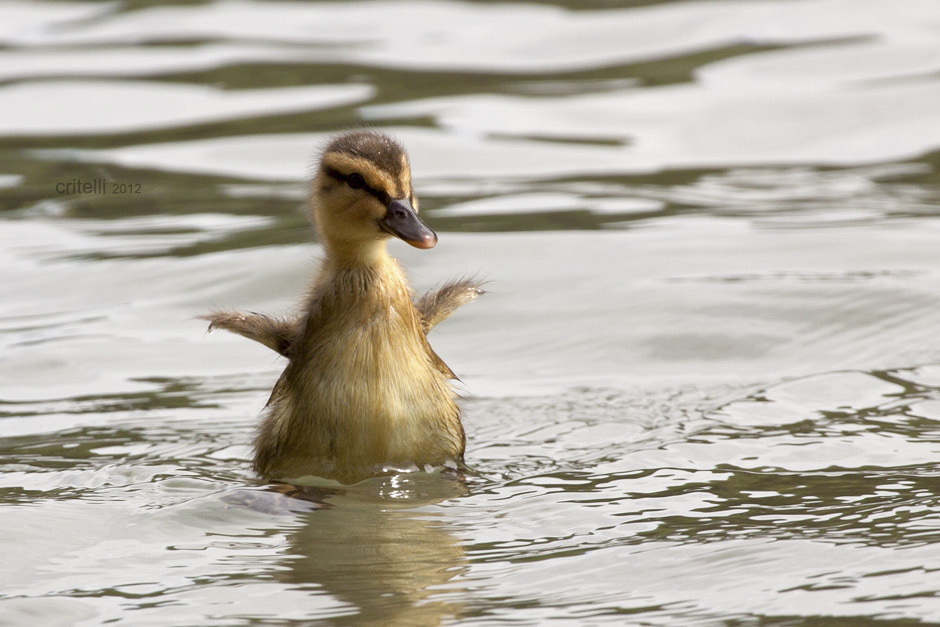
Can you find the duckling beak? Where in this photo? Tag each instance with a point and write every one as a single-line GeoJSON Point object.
{"type": "Point", "coordinates": [402, 221]}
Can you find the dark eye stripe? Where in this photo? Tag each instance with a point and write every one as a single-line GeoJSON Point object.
{"type": "Point", "coordinates": [355, 181]}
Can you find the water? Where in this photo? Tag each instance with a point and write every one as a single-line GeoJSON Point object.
{"type": "Point", "coordinates": [704, 386]}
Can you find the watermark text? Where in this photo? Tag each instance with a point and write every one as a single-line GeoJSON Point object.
{"type": "Point", "coordinates": [96, 186]}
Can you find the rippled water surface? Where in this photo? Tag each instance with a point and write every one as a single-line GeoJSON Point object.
{"type": "Point", "coordinates": [703, 387]}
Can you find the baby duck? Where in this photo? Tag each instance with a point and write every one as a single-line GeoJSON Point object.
{"type": "Point", "coordinates": [362, 390]}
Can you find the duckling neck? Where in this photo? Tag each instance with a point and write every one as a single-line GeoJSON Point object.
{"type": "Point", "coordinates": [341, 255]}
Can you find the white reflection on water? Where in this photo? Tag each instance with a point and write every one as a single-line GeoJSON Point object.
{"type": "Point", "coordinates": [517, 37]}
{"type": "Point", "coordinates": [73, 107]}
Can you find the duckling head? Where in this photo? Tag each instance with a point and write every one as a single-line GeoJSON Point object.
{"type": "Point", "coordinates": [362, 195]}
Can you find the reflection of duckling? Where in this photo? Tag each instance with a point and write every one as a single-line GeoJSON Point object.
{"type": "Point", "coordinates": [362, 387]}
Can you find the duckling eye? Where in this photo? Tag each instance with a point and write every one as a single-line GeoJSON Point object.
{"type": "Point", "coordinates": [355, 181]}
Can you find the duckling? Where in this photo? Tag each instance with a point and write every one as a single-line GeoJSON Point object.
{"type": "Point", "coordinates": [362, 389]}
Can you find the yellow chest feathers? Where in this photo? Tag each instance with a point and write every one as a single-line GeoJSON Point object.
{"type": "Point", "coordinates": [362, 388]}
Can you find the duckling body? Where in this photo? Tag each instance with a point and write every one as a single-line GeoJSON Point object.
{"type": "Point", "coordinates": [362, 389]}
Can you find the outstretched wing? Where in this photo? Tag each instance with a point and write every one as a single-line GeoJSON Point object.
{"type": "Point", "coordinates": [276, 333]}
{"type": "Point", "coordinates": [437, 305]}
